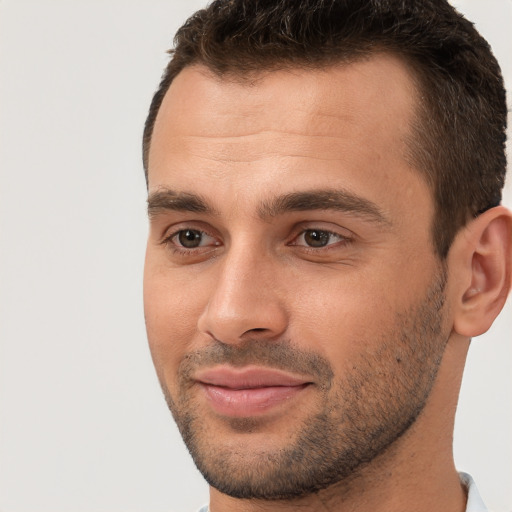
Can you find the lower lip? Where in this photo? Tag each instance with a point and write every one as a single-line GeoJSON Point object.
{"type": "Point", "coordinates": [249, 402]}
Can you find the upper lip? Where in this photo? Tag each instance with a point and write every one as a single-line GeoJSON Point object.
{"type": "Point", "coordinates": [248, 377]}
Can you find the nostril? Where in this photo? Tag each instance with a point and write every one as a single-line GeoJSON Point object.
{"type": "Point", "coordinates": [255, 332]}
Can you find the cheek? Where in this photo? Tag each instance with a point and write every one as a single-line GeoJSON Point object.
{"type": "Point", "coordinates": [171, 310]}
{"type": "Point", "coordinates": [344, 317]}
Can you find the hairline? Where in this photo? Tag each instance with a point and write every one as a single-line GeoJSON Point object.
{"type": "Point", "coordinates": [257, 72]}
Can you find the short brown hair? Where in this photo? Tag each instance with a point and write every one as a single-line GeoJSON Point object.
{"type": "Point", "coordinates": [458, 139]}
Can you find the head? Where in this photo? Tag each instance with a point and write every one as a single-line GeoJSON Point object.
{"type": "Point", "coordinates": [457, 139]}
{"type": "Point", "coordinates": [323, 180]}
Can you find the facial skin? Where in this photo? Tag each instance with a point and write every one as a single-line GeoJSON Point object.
{"type": "Point", "coordinates": [296, 312]}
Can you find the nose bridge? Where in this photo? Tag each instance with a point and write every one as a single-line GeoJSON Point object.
{"type": "Point", "coordinates": [243, 302]}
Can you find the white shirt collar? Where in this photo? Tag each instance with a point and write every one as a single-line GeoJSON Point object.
{"type": "Point", "coordinates": [475, 503]}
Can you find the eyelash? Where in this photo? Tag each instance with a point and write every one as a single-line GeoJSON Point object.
{"type": "Point", "coordinates": [180, 250]}
{"type": "Point", "coordinates": [342, 240]}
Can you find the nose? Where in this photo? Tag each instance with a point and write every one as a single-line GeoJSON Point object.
{"type": "Point", "coordinates": [244, 302]}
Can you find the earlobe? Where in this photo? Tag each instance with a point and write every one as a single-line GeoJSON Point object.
{"type": "Point", "coordinates": [483, 257]}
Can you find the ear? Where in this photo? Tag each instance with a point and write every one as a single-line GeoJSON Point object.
{"type": "Point", "coordinates": [481, 262]}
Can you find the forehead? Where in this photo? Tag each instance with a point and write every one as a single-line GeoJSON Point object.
{"type": "Point", "coordinates": [381, 80]}
{"type": "Point", "coordinates": [348, 124]}
{"type": "Point", "coordinates": [366, 95]}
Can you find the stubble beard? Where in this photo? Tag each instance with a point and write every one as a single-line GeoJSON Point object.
{"type": "Point", "coordinates": [358, 416]}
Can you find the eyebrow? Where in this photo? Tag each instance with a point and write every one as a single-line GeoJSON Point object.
{"type": "Point", "coordinates": [165, 199]}
{"type": "Point", "coordinates": [330, 199]}
{"type": "Point", "coordinates": [325, 199]}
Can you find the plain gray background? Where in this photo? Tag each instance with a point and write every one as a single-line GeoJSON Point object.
{"type": "Point", "coordinates": [83, 426]}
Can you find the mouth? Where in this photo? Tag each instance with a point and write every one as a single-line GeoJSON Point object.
{"type": "Point", "coordinates": [249, 391]}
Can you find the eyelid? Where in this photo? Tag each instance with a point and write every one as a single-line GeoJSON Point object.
{"type": "Point", "coordinates": [344, 236]}
{"type": "Point", "coordinates": [339, 238]}
{"type": "Point", "coordinates": [172, 231]}
{"type": "Point", "coordinates": [337, 249]}
{"type": "Point", "coordinates": [325, 227]}
{"type": "Point", "coordinates": [171, 238]}
{"type": "Point", "coordinates": [182, 225]}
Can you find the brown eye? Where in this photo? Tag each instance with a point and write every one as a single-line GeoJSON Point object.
{"type": "Point", "coordinates": [189, 238]}
{"type": "Point", "coordinates": [317, 238]}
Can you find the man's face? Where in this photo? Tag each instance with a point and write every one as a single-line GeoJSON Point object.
{"type": "Point", "coordinates": [292, 296]}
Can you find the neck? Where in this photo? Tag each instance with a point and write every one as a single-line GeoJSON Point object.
{"type": "Point", "coordinates": [417, 473]}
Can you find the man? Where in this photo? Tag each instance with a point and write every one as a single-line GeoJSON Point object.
{"type": "Point", "coordinates": [325, 239]}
